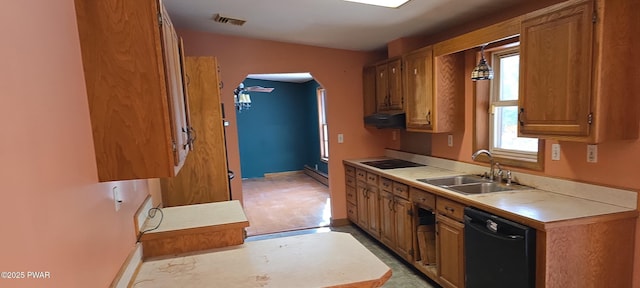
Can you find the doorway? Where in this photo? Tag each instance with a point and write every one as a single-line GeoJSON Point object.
{"type": "Point", "coordinates": [279, 133]}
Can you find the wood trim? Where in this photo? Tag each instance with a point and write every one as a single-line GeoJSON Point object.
{"type": "Point", "coordinates": [142, 213]}
{"type": "Point", "coordinates": [199, 230]}
{"type": "Point", "coordinates": [182, 243]}
{"type": "Point", "coordinates": [317, 174]}
{"type": "Point", "coordinates": [129, 268]}
{"type": "Point", "coordinates": [496, 32]}
{"type": "Point", "coordinates": [482, 100]}
{"type": "Point", "coordinates": [340, 222]}
{"type": "Point", "coordinates": [282, 174]}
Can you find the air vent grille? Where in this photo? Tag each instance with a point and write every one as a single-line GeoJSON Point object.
{"type": "Point", "coordinates": [228, 20]}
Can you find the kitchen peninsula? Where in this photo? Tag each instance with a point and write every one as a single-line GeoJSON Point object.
{"type": "Point", "coordinates": [331, 259]}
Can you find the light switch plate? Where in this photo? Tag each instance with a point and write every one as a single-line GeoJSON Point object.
{"type": "Point", "coordinates": [592, 153]}
{"type": "Point", "coordinates": [450, 140]}
{"type": "Point", "coordinates": [555, 152]}
{"type": "Point", "coordinates": [340, 138]}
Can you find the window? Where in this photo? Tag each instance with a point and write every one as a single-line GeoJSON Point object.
{"type": "Point", "coordinates": [503, 113]}
{"type": "Point", "coordinates": [322, 121]}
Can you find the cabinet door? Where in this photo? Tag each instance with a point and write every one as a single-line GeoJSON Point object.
{"type": "Point", "coordinates": [204, 177]}
{"type": "Point", "coordinates": [404, 228]}
{"type": "Point", "coordinates": [387, 219]}
{"type": "Point", "coordinates": [175, 92]}
{"type": "Point", "coordinates": [134, 88]}
{"type": "Point", "coordinates": [419, 87]}
{"type": "Point", "coordinates": [362, 205]}
{"type": "Point", "coordinates": [372, 209]}
{"type": "Point", "coordinates": [450, 241]}
{"type": "Point", "coordinates": [396, 99]}
{"type": "Point", "coordinates": [382, 87]}
{"type": "Point", "coordinates": [555, 72]}
{"type": "Point", "coordinates": [369, 90]}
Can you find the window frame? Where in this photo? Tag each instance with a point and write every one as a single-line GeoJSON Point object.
{"type": "Point", "coordinates": [323, 128]}
{"type": "Point", "coordinates": [483, 107]}
{"type": "Point", "coordinates": [494, 102]}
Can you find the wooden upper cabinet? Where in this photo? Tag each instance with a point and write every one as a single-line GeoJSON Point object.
{"type": "Point", "coordinates": [418, 75]}
{"type": "Point", "coordinates": [575, 72]}
{"type": "Point", "coordinates": [435, 89]}
{"type": "Point", "coordinates": [134, 84]}
{"type": "Point", "coordinates": [555, 62]}
{"type": "Point", "coordinates": [389, 85]}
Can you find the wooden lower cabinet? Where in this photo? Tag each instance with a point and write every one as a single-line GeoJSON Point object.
{"type": "Point", "coordinates": [396, 224]}
{"type": "Point", "coordinates": [450, 243]}
{"type": "Point", "coordinates": [367, 208]}
{"type": "Point", "coordinates": [387, 219]}
{"type": "Point", "coordinates": [404, 228]}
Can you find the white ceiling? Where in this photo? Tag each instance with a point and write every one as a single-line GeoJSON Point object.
{"type": "Point", "coordinates": [329, 23]}
{"type": "Point", "coordinates": [283, 77]}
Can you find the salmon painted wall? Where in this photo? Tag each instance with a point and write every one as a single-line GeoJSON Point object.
{"type": "Point", "coordinates": [338, 71]}
{"type": "Point", "coordinates": [56, 217]}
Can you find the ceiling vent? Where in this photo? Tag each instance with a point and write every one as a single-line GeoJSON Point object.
{"type": "Point", "coordinates": [228, 20]}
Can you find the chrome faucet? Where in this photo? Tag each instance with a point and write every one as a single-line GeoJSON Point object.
{"type": "Point", "coordinates": [486, 152]}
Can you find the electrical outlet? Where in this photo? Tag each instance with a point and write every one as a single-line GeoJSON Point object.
{"type": "Point", "coordinates": [592, 153]}
{"type": "Point", "coordinates": [340, 138]}
{"type": "Point", "coordinates": [555, 152]}
{"type": "Point", "coordinates": [117, 198]}
{"type": "Point", "coordinates": [450, 140]}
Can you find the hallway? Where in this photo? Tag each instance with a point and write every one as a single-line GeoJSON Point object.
{"type": "Point", "coordinates": [284, 203]}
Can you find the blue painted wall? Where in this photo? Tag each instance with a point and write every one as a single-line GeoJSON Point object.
{"type": "Point", "coordinates": [280, 131]}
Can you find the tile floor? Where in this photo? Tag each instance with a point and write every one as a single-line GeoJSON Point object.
{"type": "Point", "coordinates": [296, 203]}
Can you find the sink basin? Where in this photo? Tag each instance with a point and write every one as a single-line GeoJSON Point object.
{"type": "Point", "coordinates": [455, 180]}
{"type": "Point", "coordinates": [471, 184]}
{"type": "Point", "coordinates": [479, 188]}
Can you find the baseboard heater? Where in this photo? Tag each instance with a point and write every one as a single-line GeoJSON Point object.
{"type": "Point", "coordinates": [317, 174]}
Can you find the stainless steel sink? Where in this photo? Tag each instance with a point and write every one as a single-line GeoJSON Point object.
{"type": "Point", "coordinates": [479, 188]}
{"type": "Point", "coordinates": [455, 180]}
{"type": "Point", "coordinates": [471, 184]}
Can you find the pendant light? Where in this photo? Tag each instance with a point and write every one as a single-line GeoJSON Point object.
{"type": "Point", "coordinates": [483, 71]}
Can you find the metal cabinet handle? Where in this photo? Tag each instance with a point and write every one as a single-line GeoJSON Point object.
{"type": "Point", "coordinates": [520, 115]}
{"type": "Point", "coordinates": [429, 117]}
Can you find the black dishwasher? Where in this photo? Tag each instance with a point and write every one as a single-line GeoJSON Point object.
{"type": "Point", "coordinates": [499, 253]}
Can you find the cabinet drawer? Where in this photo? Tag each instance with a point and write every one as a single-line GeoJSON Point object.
{"type": "Point", "coordinates": [372, 179]}
{"type": "Point", "coordinates": [401, 190]}
{"type": "Point", "coordinates": [423, 198]}
{"type": "Point", "coordinates": [449, 208]}
{"type": "Point", "coordinates": [351, 194]}
{"type": "Point", "coordinates": [351, 181]}
{"type": "Point", "coordinates": [350, 171]}
{"type": "Point", "coordinates": [361, 175]}
{"type": "Point", "coordinates": [352, 212]}
{"type": "Point", "coordinates": [386, 184]}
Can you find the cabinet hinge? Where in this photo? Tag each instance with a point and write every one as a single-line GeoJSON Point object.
{"type": "Point", "coordinates": [411, 251]}
{"type": "Point", "coordinates": [159, 19]}
{"type": "Point", "coordinates": [590, 118]}
{"type": "Point", "coordinates": [595, 17]}
{"type": "Point", "coordinates": [174, 145]}
{"type": "Point", "coordinates": [410, 212]}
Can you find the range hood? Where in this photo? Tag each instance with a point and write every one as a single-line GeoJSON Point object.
{"type": "Point", "coordinates": [386, 120]}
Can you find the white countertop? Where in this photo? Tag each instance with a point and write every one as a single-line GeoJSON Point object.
{"type": "Point", "coordinates": [197, 216]}
{"type": "Point", "coordinates": [331, 259]}
{"type": "Point", "coordinates": [542, 206]}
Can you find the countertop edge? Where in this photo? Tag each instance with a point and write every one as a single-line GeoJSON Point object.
{"type": "Point", "coordinates": [625, 212]}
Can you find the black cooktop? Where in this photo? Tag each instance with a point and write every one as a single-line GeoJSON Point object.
{"type": "Point", "coordinates": [392, 164]}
